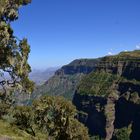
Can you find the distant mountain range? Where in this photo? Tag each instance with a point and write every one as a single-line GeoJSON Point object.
{"type": "Point", "coordinates": [41, 76]}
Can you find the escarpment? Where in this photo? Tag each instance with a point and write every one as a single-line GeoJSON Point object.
{"type": "Point", "coordinates": [108, 99]}
{"type": "Point", "coordinates": [65, 80]}
{"type": "Point", "coordinates": [125, 64]}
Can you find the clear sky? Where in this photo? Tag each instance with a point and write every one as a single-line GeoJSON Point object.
{"type": "Point", "coordinates": [62, 30]}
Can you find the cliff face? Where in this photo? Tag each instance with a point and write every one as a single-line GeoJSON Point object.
{"type": "Point", "coordinates": [126, 64]}
{"type": "Point", "coordinates": [109, 98]}
{"type": "Point", "coordinates": [66, 79]}
{"type": "Point", "coordinates": [84, 66]}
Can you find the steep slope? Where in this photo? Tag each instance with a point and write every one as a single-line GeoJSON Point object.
{"type": "Point", "coordinates": [109, 98]}
{"type": "Point", "coordinates": [66, 79]}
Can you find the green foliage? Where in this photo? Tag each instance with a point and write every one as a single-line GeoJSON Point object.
{"type": "Point", "coordinates": [52, 117]}
{"type": "Point", "coordinates": [55, 115]}
{"type": "Point", "coordinates": [4, 109]}
{"type": "Point", "coordinates": [123, 133]}
{"type": "Point", "coordinates": [12, 132]}
{"type": "Point", "coordinates": [59, 85]}
{"type": "Point", "coordinates": [135, 98]}
{"type": "Point", "coordinates": [97, 83]}
{"type": "Point", "coordinates": [13, 52]}
{"type": "Point", "coordinates": [13, 56]}
{"type": "Point", "coordinates": [23, 118]}
{"type": "Point", "coordinates": [75, 131]}
{"type": "Point", "coordinates": [7, 131]}
{"type": "Point", "coordinates": [129, 56]}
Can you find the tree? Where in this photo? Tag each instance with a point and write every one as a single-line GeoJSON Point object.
{"type": "Point", "coordinates": [23, 118]}
{"type": "Point", "coordinates": [13, 52]}
{"type": "Point", "coordinates": [56, 116]}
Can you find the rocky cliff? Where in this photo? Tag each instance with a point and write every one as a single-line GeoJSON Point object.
{"type": "Point", "coordinates": [66, 79]}
{"type": "Point", "coordinates": [108, 99]}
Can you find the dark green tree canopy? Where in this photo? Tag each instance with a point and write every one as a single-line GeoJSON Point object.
{"type": "Point", "coordinates": [13, 51]}
{"type": "Point", "coordinates": [56, 116]}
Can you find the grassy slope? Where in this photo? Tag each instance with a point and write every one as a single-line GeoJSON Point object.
{"type": "Point", "coordinates": [14, 133]}
{"type": "Point", "coordinates": [6, 130]}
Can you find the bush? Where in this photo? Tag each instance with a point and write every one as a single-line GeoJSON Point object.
{"type": "Point", "coordinates": [23, 118]}
{"type": "Point", "coordinates": [55, 115]}
{"type": "Point", "coordinates": [122, 134]}
{"type": "Point", "coordinates": [4, 109]}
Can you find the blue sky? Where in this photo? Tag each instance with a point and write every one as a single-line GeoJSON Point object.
{"type": "Point", "coordinates": [60, 31]}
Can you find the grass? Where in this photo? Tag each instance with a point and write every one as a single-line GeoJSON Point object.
{"type": "Point", "coordinates": [130, 56]}
{"type": "Point", "coordinates": [14, 133]}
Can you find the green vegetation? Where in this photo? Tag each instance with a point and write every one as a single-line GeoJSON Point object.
{"type": "Point", "coordinates": [85, 62]}
{"type": "Point", "coordinates": [56, 116]}
{"type": "Point", "coordinates": [48, 117]}
{"type": "Point", "coordinates": [13, 62]}
{"type": "Point", "coordinates": [23, 118]}
{"type": "Point", "coordinates": [59, 85]}
{"type": "Point", "coordinates": [129, 56]}
{"type": "Point", "coordinates": [123, 133]}
{"type": "Point", "coordinates": [13, 132]}
{"type": "Point", "coordinates": [97, 83]}
{"type": "Point", "coordinates": [13, 52]}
